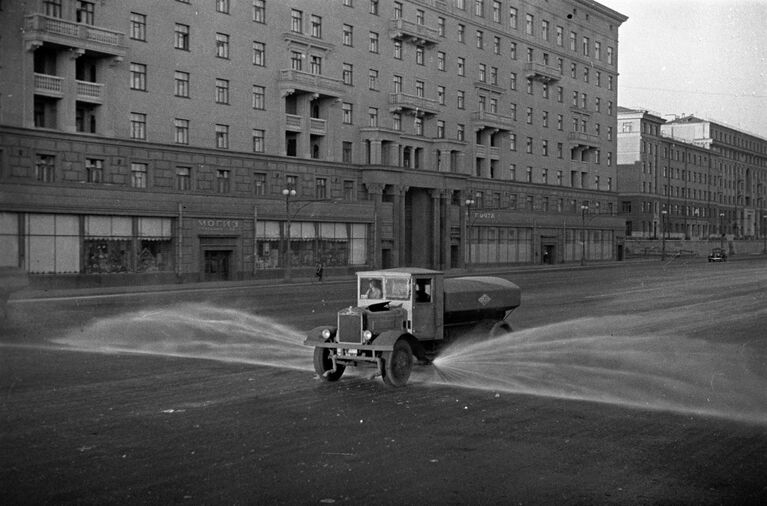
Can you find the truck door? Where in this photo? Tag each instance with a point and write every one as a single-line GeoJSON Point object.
{"type": "Point", "coordinates": [423, 308]}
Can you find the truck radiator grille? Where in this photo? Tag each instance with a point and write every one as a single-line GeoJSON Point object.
{"type": "Point", "coordinates": [349, 328]}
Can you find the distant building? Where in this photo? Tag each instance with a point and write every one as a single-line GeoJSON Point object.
{"type": "Point", "coordinates": [196, 140]}
{"type": "Point", "coordinates": [692, 178]}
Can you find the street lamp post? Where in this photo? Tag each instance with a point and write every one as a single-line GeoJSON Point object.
{"type": "Point", "coordinates": [663, 234]}
{"type": "Point", "coordinates": [721, 230]}
{"type": "Point", "coordinates": [584, 209]}
{"type": "Point", "coordinates": [764, 234]}
{"type": "Point", "coordinates": [469, 202]}
{"type": "Point", "coordinates": [288, 192]}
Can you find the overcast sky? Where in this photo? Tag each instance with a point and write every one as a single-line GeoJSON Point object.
{"type": "Point", "coordinates": [702, 57]}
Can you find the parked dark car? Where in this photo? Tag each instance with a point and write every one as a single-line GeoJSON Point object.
{"type": "Point", "coordinates": [717, 255]}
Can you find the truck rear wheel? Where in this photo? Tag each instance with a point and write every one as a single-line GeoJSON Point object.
{"type": "Point", "coordinates": [398, 364]}
{"type": "Point", "coordinates": [323, 365]}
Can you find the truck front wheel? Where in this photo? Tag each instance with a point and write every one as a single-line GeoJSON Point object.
{"type": "Point", "coordinates": [397, 364]}
{"type": "Point", "coordinates": [323, 365]}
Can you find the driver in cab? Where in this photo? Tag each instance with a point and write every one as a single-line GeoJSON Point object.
{"type": "Point", "coordinates": [373, 291]}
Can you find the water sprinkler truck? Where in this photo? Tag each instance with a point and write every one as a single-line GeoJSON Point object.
{"type": "Point", "coordinates": [407, 314]}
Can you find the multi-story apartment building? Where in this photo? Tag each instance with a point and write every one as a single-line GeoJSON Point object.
{"type": "Point", "coordinates": [219, 139]}
{"type": "Point", "coordinates": [689, 178]}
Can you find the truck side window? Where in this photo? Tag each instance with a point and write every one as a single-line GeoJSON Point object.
{"type": "Point", "coordinates": [423, 290]}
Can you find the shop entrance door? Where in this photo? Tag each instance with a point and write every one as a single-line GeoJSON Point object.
{"type": "Point", "coordinates": [548, 254]}
{"type": "Point", "coordinates": [217, 265]}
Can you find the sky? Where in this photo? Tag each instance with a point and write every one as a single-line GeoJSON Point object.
{"type": "Point", "coordinates": [701, 57]}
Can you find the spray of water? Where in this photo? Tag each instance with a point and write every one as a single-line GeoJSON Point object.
{"type": "Point", "coordinates": [626, 360]}
{"type": "Point", "coordinates": [197, 331]}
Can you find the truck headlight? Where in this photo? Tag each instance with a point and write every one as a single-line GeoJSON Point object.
{"type": "Point", "coordinates": [326, 333]}
{"type": "Point", "coordinates": [367, 336]}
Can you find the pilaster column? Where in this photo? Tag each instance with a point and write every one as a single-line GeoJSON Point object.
{"type": "Point", "coordinates": [376, 190]}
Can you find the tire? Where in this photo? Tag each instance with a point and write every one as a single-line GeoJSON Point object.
{"type": "Point", "coordinates": [500, 329]}
{"type": "Point", "coordinates": [323, 365]}
{"type": "Point", "coordinates": [398, 364]}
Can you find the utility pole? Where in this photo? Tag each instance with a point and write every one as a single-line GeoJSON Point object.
{"type": "Point", "coordinates": [584, 209]}
{"type": "Point", "coordinates": [469, 202]}
{"type": "Point", "coordinates": [288, 192]}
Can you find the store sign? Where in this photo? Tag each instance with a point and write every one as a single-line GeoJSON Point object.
{"type": "Point", "coordinates": [218, 225]}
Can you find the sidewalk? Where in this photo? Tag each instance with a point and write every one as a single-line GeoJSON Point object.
{"type": "Point", "coordinates": [28, 294]}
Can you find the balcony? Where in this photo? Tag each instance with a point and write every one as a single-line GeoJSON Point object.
{"type": "Point", "coordinates": [39, 28]}
{"type": "Point", "coordinates": [420, 35]}
{"type": "Point", "coordinates": [483, 151]}
{"type": "Point", "coordinates": [402, 102]}
{"type": "Point", "coordinates": [90, 92]}
{"type": "Point", "coordinates": [50, 86]}
{"type": "Point", "coordinates": [582, 140]}
{"type": "Point", "coordinates": [294, 123]}
{"type": "Point", "coordinates": [542, 72]}
{"type": "Point", "coordinates": [484, 119]}
{"type": "Point", "coordinates": [295, 81]}
{"type": "Point", "coordinates": [317, 126]}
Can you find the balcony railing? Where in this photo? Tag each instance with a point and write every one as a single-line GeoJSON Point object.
{"type": "Point", "coordinates": [317, 126]}
{"type": "Point", "coordinates": [41, 28]}
{"type": "Point", "coordinates": [48, 85]}
{"type": "Point", "coordinates": [583, 139]}
{"type": "Point", "coordinates": [401, 29]}
{"type": "Point", "coordinates": [90, 92]}
{"type": "Point", "coordinates": [412, 103]}
{"type": "Point", "coordinates": [294, 122]}
{"type": "Point", "coordinates": [292, 81]}
{"type": "Point", "coordinates": [483, 151]}
{"type": "Point", "coordinates": [492, 120]}
{"type": "Point", "coordinates": [542, 72]}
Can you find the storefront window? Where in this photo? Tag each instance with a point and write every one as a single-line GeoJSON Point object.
{"type": "Point", "coordinates": [107, 256]}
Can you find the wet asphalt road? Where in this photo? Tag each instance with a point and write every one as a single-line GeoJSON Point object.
{"type": "Point", "coordinates": [91, 427]}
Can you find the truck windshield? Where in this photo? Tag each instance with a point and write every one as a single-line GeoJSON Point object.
{"type": "Point", "coordinates": [371, 288]}
{"type": "Point", "coordinates": [397, 288]}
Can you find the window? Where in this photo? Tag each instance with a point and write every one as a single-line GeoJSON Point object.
{"type": "Point", "coordinates": [512, 142]}
{"type": "Point", "coordinates": [348, 190]}
{"type": "Point", "coordinates": [259, 184]}
{"type": "Point", "coordinates": [222, 45]}
{"type": "Point", "coordinates": [529, 22]}
{"type": "Point", "coordinates": [347, 74]}
{"type": "Point", "coordinates": [479, 8]}
{"type": "Point", "coordinates": [181, 84]}
{"type": "Point", "coordinates": [373, 79]}
{"type": "Point", "coordinates": [138, 175]}
{"type": "Point", "coordinates": [560, 36]}
{"type": "Point", "coordinates": [398, 49]}
{"type": "Point", "coordinates": [440, 129]}
{"type": "Point", "coordinates": [138, 76]}
{"type": "Point", "coordinates": [52, 8]}
{"type": "Point", "coordinates": [545, 30]}
{"type": "Point", "coordinates": [419, 55]}
{"type": "Point", "coordinates": [315, 65]}
{"type": "Point", "coordinates": [259, 97]}
{"type": "Point", "coordinates": [222, 91]}
{"type": "Point", "coordinates": [461, 99]}
{"type": "Point", "coordinates": [482, 74]}
{"type": "Point", "coordinates": [374, 7]}
{"type": "Point", "coordinates": [222, 136]}
{"type": "Point", "coordinates": [259, 54]}
{"type": "Point", "coordinates": [529, 116]}
{"type": "Point", "coordinates": [183, 178]}
{"type": "Point", "coordinates": [461, 33]}
{"type": "Point", "coordinates": [573, 38]}
{"type": "Point", "coordinates": [512, 175]}
{"type": "Point", "coordinates": [222, 6]}
{"type": "Point", "coordinates": [597, 50]}
{"type": "Point", "coordinates": [85, 12]}
{"type": "Point", "coordinates": [513, 17]}
{"type": "Point", "coordinates": [529, 145]}
{"type": "Point", "coordinates": [420, 17]}
{"type": "Point", "coordinates": [441, 26]}
{"type": "Point", "coordinates": [346, 109]}
{"type": "Point", "coordinates": [609, 56]}
{"type": "Point", "coordinates": [348, 32]}
{"type": "Point", "coordinates": [513, 111]}
{"type": "Point", "coordinates": [222, 181]}
{"type": "Point", "coordinates": [296, 60]}
{"type": "Point", "coordinates": [316, 22]}
{"type": "Point", "coordinates": [259, 11]}
{"type": "Point", "coordinates": [397, 10]}
{"type": "Point", "coordinates": [182, 37]}
{"type": "Point", "coordinates": [137, 126]}
{"type": "Point", "coordinates": [373, 42]}
{"type": "Point", "coordinates": [321, 188]}
{"type": "Point", "coordinates": [420, 87]}
{"type": "Point", "coordinates": [496, 45]}
{"type": "Point", "coordinates": [181, 131]}
{"type": "Point", "coordinates": [513, 81]}
{"type": "Point", "coordinates": [397, 83]}
{"type": "Point", "coordinates": [373, 117]}
{"type": "Point", "coordinates": [441, 60]}
{"type": "Point", "coordinates": [346, 152]}
{"type": "Point", "coordinates": [480, 37]}
{"type": "Point", "coordinates": [461, 67]}
{"type": "Point", "coordinates": [137, 26]}
{"type": "Point", "coordinates": [94, 170]}
{"type": "Point", "coordinates": [45, 168]}
{"type": "Point", "coordinates": [586, 46]}
{"type": "Point", "coordinates": [460, 132]}
{"type": "Point", "coordinates": [296, 21]}
{"type": "Point", "coordinates": [496, 11]}
{"type": "Point", "coordinates": [258, 140]}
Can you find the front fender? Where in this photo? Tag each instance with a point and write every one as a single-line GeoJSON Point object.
{"type": "Point", "coordinates": [390, 337]}
{"type": "Point", "coordinates": [314, 336]}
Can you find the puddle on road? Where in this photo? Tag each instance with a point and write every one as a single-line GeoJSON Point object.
{"type": "Point", "coordinates": [632, 361]}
